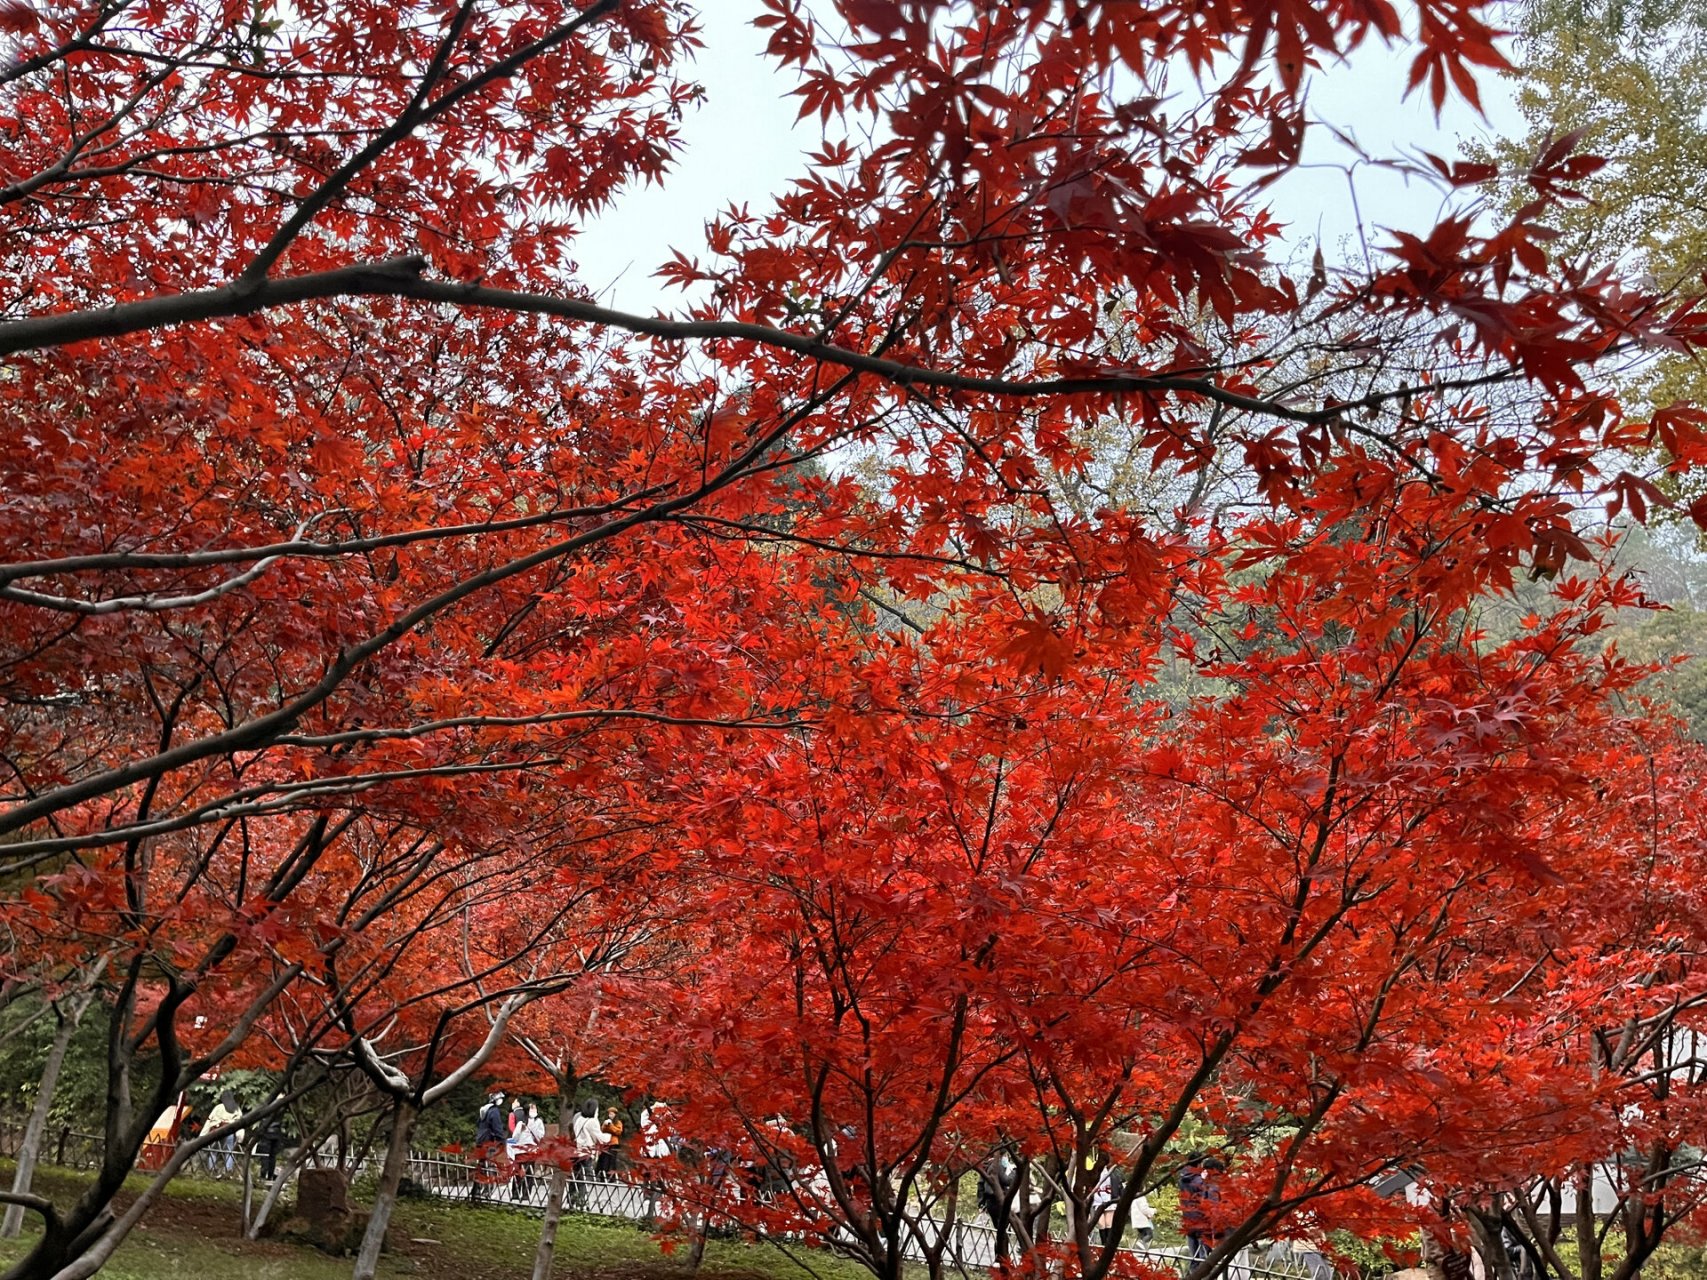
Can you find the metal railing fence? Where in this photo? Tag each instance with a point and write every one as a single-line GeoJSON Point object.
{"type": "Point", "coordinates": [441, 1176]}
{"type": "Point", "coordinates": [972, 1243]}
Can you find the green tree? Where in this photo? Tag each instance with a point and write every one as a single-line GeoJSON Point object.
{"type": "Point", "coordinates": [1630, 78]}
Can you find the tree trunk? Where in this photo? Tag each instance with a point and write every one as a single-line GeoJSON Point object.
{"type": "Point", "coordinates": [547, 1250]}
{"type": "Point", "coordinates": [248, 1190]}
{"type": "Point", "coordinates": [385, 1196]}
{"type": "Point", "coordinates": [1588, 1227]}
{"type": "Point", "coordinates": [1489, 1242]}
{"type": "Point", "coordinates": [1010, 1205]}
{"type": "Point", "coordinates": [306, 1152]}
{"type": "Point", "coordinates": [1443, 1259]}
{"type": "Point", "coordinates": [702, 1221]}
{"type": "Point", "coordinates": [696, 1254]}
{"type": "Point", "coordinates": [65, 1236]}
{"type": "Point", "coordinates": [79, 1256]}
{"type": "Point", "coordinates": [544, 1255]}
{"type": "Point", "coordinates": [275, 1189]}
{"type": "Point", "coordinates": [1072, 1224]}
{"type": "Point", "coordinates": [29, 1150]}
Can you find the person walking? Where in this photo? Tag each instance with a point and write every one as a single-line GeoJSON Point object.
{"type": "Point", "coordinates": [590, 1139]}
{"type": "Point", "coordinates": [490, 1137]}
{"type": "Point", "coordinates": [1198, 1193]}
{"type": "Point", "coordinates": [1143, 1219]}
{"type": "Point", "coordinates": [272, 1141]}
{"type": "Point", "coordinates": [225, 1111]}
{"type": "Point", "coordinates": [656, 1142]}
{"type": "Point", "coordinates": [998, 1180]}
{"type": "Point", "coordinates": [524, 1141]}
{"type": "Point", "coordinates": [655, 1137]}
{"type": "Point", "coordinates": [1104, 1202]}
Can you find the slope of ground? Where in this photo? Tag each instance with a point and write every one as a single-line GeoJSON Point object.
{"type": "Point", "coordinates": [196, 1231]}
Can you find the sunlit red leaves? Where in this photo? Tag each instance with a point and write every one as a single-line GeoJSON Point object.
{"type": "Point", "coordinates": [1169, 848]}
{"type": "Point", "coordinates": [575, 550]}
{"type": "Point", "coordinates": [1036, 646]}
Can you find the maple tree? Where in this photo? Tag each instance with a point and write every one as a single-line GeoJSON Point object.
{"type": "Point", "coordinates": [427, 1002]}
{"type": "Point", "coordinates": [559, 1042]}
{"type": "Point", "coordinates": [976, 907]}
{"type": "Point", "coordinates": [346, 526]}
{"type": "Point", "coordinates": [1613, 995]}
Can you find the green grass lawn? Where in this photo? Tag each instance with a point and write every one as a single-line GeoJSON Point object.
{"type": "Point", "coordinates": [195, 1231]}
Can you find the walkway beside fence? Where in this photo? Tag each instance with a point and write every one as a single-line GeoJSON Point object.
{"type": "Point", "coordinates": [972, 1246]}
{"type": "Point", "coordinates": [446, 1177]}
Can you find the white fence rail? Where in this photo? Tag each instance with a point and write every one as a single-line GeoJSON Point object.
{"type": "Point", "coordinates": [972, 1245]}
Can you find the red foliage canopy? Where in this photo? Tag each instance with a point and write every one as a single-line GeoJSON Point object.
{"type": "Point", "coordinates": [363, 573]}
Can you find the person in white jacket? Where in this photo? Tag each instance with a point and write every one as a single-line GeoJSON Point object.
{"type": "Point", "coordinates": [1143, 1219]}
{"type": "Point", "coordinates": [530, 1132]}
{"type": "Point", "coordinates": [655, 1137]}
{"type": "Point", "coordinates": [224, 1112]}
{"type": "Point", "coordinates": [1105, 1201]}
{"type": "Point", "coordinates": [590, 1138]}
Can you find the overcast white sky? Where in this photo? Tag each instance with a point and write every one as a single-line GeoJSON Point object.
{"type": "Point", "coordinates": [741, 145]}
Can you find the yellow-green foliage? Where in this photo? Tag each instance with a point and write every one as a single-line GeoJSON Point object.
{"type": "Point", "coordinates": [1632, 77]}
{"type": "Point", "coordinates": [1677, 1262]}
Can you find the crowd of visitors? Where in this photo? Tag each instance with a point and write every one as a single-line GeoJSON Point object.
{"type": "Point", "coordinates": [513, 1143]}
{"type": "Point", "coordinates": [182, 1121]}
{"type": "Point", "coordinates": [595, 1151]}
{"type": "Point", "coordinates": [514, 1146]}
{"type": "Point", "coordinates": [521, 1138]}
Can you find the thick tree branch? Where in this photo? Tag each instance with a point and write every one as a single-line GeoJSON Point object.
{"type": "Point", "coordinates": [298, 548]}
{"type": "Point", "coordinates": [403, 278]}
{"type": "Point", "coordinates": [275, 797]}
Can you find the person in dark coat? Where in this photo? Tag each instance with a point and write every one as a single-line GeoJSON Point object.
{"type": "Point", "coordinates": [490, 1135]}
{"type": "Point", "coordinates": [1197, 1194]}
{"type": "Point", "coordinates": [272, 1142]}
{"type": "Point", "coordinates": [998, 1180]}
{"type": "Point", "coordinates": [491, 1127]}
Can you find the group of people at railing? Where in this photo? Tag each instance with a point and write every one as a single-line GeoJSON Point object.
{"type": "Point", "coordinates": [517, 1140]}
{"type": "Point", "coordinates": [182, 1121]}
{"type": "Point", "coordinates": [513, 1145]}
